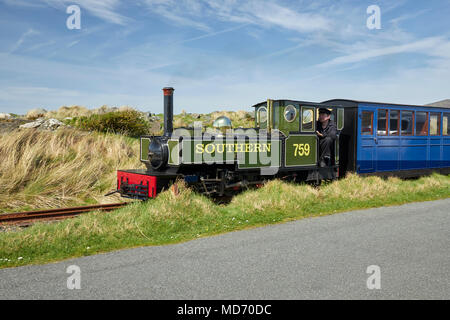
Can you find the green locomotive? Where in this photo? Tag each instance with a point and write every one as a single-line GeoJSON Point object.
{"type": "Point", "coordinates": [283, 144]}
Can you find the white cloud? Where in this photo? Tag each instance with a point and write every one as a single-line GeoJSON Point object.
{"type": "Point", "coordinates": [103, 9]}
{"type": "Point", "coordinates": [264, 13]}
{"type": "Point", "coordinates": [179, 19]}
{"type": "Point", "coordinates": [212, 34]}
{"type": "Point", "coordinates": [39, 46]}
{"type": "Point", "coordinates": [23, 37]}
{"type": "Point", "coordinates": [22, 3]}
{"type": "Point", "coordinates": [179, 12]}
{"type": "Point", "coordinates": [267, 13]}
{"type": "Point", "coordinates": [70, 45]}
{"type": "Point", "coordinates": [408, 16]}
{"type": "Point", "coordinates": [424, 46]}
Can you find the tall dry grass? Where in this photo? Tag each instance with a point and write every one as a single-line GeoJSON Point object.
{"type": "Point", "coordinates": [78, 111]}
{"type": "Point", "coordinates": [68, 112]}
{"type": "Point", "coordinates": [41, 169]}
{"type": "Point", "coordinates": [238, 118]}
{"type": "Point", "coordinates": [36, 113]}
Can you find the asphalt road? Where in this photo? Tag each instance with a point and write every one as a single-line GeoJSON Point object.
{"type": "Point", "coordinates": [315, 258]}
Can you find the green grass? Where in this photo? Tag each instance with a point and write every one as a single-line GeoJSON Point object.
{"type": "Point", "coordinates": [128, 122]}
{"type": "Point", "coordinates": [176, 218]}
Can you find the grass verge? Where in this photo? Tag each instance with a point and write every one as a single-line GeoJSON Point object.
{"type": "Point", "coordinates": [176, 218]}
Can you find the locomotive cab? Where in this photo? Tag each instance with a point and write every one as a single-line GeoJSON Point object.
{"type": "Point", "coordinates": [297, 119]}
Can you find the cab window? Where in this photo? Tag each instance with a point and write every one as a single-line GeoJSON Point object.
{"type": "Point", "coordinates": [290, 113]}
{"type": "Point", "coordinates": [340, 119]}
{"type": "Point", "coordinates": [307, 119]}
{"type": "Point", "coordinates": [262, 117]}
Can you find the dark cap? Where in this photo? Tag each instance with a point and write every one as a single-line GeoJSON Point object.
{"type": "Point", "coordinates": [324, 110]}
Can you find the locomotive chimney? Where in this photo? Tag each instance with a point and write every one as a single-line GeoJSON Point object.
{"type": "Point", "coordinates": [168, 111]}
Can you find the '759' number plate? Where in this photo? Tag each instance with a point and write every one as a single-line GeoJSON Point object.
{"type": "Point", "coordinates": [302, 149]}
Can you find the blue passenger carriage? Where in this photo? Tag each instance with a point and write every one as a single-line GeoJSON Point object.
{"type": "Point", "coordinates": [394, 139]}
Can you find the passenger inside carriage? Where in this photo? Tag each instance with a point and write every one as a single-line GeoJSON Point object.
{"type": "Point", "coordinates": [326, 131]}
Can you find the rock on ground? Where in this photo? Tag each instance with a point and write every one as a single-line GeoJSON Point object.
{"type": "Point", "coordinates": [5, 116]}
{"type": "Point", "coordinates": [49, 124]}
{"type": "Point", "coordinates": [52, 124]}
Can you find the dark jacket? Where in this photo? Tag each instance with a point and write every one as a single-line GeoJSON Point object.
{"type": "Point", "coordinates": [329, 131]}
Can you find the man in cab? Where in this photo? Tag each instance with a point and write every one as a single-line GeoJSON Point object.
{"type": "Point", "coordinates": [326, 131]}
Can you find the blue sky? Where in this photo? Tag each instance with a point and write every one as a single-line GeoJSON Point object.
{"type": "Point", "coordinates": [218, 55]}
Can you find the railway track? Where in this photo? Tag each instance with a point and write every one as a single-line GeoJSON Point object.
{"type": "Point", "coordinates": [28, 218]}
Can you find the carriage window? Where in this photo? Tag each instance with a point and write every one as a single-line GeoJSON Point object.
{"type": "Point", "coordinates": [422, 123]}
{"type": "Point", "coordinates": [407, 123]}
{"type": "Point", "coordinates": [382, 122]}
{"type": "Point", "coordinates": [435, 124]}
{"type": "Point", "coordinates": [367, 123]}
{"type": "Point", "coordinates": [307, 119]}
{"type": "Point", "coordinates": [393, 123]}
{"type": "Point", "coordinates": [445, 124]}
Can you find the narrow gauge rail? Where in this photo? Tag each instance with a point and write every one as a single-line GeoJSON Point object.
{"type": "Point", "coordinates": [28, 218]}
